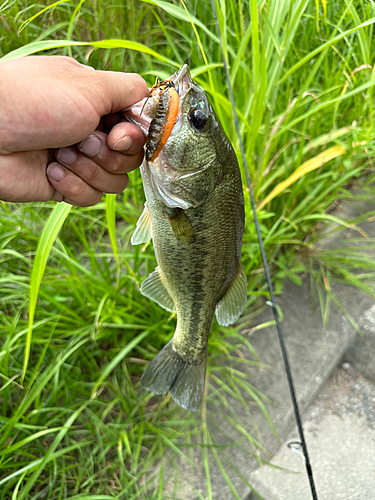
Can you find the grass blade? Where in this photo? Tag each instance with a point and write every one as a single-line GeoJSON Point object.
{"type": "Point", "coordinates": [308, 166]}
{"type": "Point", "coordinates": [42, 45]}
{"type": "Point", "coordinates": [313, 53]}
{"type": "Point", "coordinates": [110, 209]}
{"type": "Point", "coordinates": [117, 359]}
{"type": "Point", "coordinates": [32, 18]}
{"type": "Point", "coordinates": [47, 239]}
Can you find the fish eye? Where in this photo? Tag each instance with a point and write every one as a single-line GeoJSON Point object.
{"type": "Point", "coordinates": [197, 119]}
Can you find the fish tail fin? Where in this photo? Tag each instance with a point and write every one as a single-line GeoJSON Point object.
{"type": "Point", "coordinates": [163, 370]}
{"type": "Point", "coordinates": [168, 372]}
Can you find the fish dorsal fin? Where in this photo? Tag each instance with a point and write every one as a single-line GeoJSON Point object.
{"type": "Point", "coordinates": [143, 231]}
{"type": "Point", "coordinates": [231, 306]}
{"type": "Point", "coordinates": [153, 288]}
{"type": "Point", "coordinates": [181, 225]}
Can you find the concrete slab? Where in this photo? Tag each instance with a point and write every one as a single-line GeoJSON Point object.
{"type": "Point", "coordinates": [362, 353]}
{"type": "Point", "coordinates": [314, 353]}
{"type": "Point", "coordinates": [340, 435]}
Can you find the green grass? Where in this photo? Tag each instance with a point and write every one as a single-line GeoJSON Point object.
{"type": "Point", "coordinates": [78, 425]}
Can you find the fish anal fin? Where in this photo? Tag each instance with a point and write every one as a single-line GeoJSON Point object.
{"type": "Point", "coordinates": [231, 306]}
{"type": "Point", "coordinates": [168, 372]}
{"type": "Point", "coordinates": [143, 230]}
{"type": "Point", "coordinates": [153, 287]}
{"type": "Point", "coordinates": [181, 225]}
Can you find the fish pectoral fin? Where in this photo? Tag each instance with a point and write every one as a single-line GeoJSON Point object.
{"type": "Point", "coordinates": [153, 287]}
{"type": "Point", "coordinates": [231, 306]}
{"type": "Point", "coordinates": [181, 225]}
{"type": "Point", "coordinates": [169, 372]}
{"type": "Point", "coordinates": [143, 230]}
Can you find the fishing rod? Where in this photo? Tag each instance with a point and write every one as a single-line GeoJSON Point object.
{"type": "Point", "coordinates": [267, 271]}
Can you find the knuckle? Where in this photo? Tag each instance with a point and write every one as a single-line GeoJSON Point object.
{"type": "Point", "coordinates": [77, 190]}
{"type": "Point", "coordinates": [138, 83]}
{"type": "Point", "coordinates": [93, 174]}
{"type": "Point", "coordinates": [117, 164]}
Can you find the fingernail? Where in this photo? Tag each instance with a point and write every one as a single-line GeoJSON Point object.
{"type": "Point", "coordinates": [90, 146]}
{"type": "Point", "coordinates": [55, 171]}
{"type": "Point", "coordinates": [123, 144]}
{"type": "Point", "coordinates": [66, 156]}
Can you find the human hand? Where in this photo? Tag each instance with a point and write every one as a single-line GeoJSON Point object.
{"type": "Point", "coordinates": [61, 137]}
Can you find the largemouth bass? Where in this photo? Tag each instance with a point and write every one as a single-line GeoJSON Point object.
{"type": "Point", "coordinates": [194, 213]}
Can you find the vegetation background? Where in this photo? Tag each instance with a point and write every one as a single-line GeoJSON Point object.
{"type": "Point", "coordinates": [76, 334]}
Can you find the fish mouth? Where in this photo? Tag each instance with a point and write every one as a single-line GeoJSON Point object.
{"type": "Point", "coordinates": [160, 173]}
{"type": "Point", "coordinates": [182, 81]}
{"type": "Point", "coordinates": [136, 113]}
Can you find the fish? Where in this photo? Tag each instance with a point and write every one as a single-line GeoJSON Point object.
{"type": "Point", "coordinates": [194, 213]}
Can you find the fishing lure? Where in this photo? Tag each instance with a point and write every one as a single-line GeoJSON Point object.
{"type": "Point", "coordinates": [165, 117]}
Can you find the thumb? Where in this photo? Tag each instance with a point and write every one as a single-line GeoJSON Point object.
{"type": "Point", "coordinates": [120, 90]}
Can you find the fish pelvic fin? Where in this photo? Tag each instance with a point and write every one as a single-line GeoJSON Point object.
{"type": "Point", "coordinates": [232, 305]}
{"type": "Point", "coordinates": [143, 230]}
{"type": "Point", "coordinates": [168, 372]}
